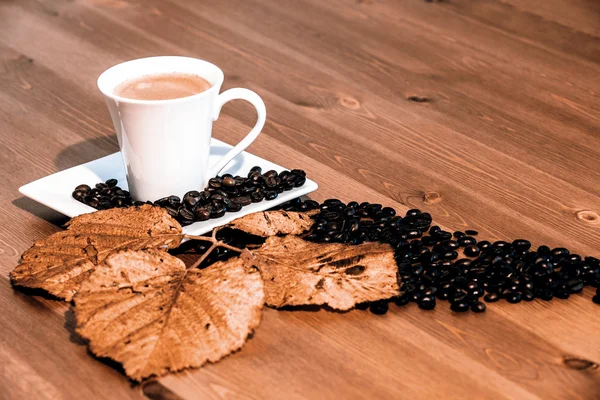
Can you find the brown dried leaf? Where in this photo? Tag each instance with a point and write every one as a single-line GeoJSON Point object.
{"type": "Point", "coordinates": [146, 311]}
{"type": "Point", "coordinates": [297, 272]}
{"type": "Point", "coordinates": [62, 261]}
{"type": "Point", "coordinates": [271, 223]}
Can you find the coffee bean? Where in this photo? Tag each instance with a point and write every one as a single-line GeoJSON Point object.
{"type": "Point", "coordinates": [513, 297]}
{"type": "Point", "coordinates": [202, 213]}
{"type": "Point", "coordinates": [218, 210]}
{"type": "Point", "coordinates": [270, 195]}
{"type": "Point", "coordinates": [111, 182]}
{"type": "Point", "coordinates": [186, 214]}
{"type": "Point", "coordinates": [191, 198]}
{"type": "Point", "coordinates": [471, 232]}
{"type": "Point", "coordinates": [478, 307]}
{"type": "Point", "coordinates": [427, 302]}
{"type": "Point", "coordinates": [234, 207]}
{"type": "Point", "coordinates": [78, 195]}
{"type": "Point", "coordinates": [472, 251]}
{"type": "Point", "coordinates": [379, 307]}
{"type": "Point", "coordinates": [228, 182]}
{"type": "Point", "coordinates": [242, 201]}
{"type": "Point", "coordinates": [466, 241]}
{"type": "Point", "coordinates": [83, 188]}
{"type": "Point", "coordinates": [461, 306]}
{"type": "Point", "coordinates": [91, 201]}
{"type": "Point", "coordinates": [491, 297]}
{"type": "Point", "coordinates": [257, 197]}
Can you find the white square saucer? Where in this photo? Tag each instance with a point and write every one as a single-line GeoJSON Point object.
{"type": "Point", "coordinates": [55, 190]}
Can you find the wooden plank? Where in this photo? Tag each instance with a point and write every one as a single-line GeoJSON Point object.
{"type": "Point", "coordinates": [508, 142]}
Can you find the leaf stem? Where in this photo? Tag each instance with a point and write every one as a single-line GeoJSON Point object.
{"type": "Point", "coordinates": [215, 243]}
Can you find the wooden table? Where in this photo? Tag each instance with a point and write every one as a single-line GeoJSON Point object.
{"type": "Point", "coordinates": [484, 113]}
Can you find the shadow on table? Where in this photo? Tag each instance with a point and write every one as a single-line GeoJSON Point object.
{"type": "Point", "coordinates": [95, 148]}
{"type": "Point", "coordinates": [40, 210]}
{"type": "Point", "coordinates": [70, 325]}
{"type": "Point", "coordinates": [85, 151]}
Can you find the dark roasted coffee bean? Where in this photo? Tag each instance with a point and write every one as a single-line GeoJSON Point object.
{"type": "Point", "coordinates": [379, 307]}
{"type": "Point", "coordinates": [218, 210]}
{"type": "Point", "coordinates": [271, 182]}
{"type": "Point", "coordinates": [472, 251]}
{"type": "Point", "coordinates": [527, 296]}
{"type": "Point", "coordinates": [116, 201]}
{"type": "Point", "coordinates": [596, 299]}
{"type": "Point", "coordinates": [458, 234]}
{"type": "Point", "coordinates": [413, 212]}
{"type": "Point", "coordinates": [491, 297]}
{"type": "Point", "coordinates": [388, 211]}
{"type": "Point", "coordinates": [460, 306]}
{"type": "Point", "coordinates": [521, 244]}
{"type": "Point", "coordinates": [449, 255]}
{"type": "Point", "coordinates": [434, 229]}
{"type": "Point", "coordinates": [427, 302]}
{"type": "Point", "coordinates": [215, 183]}
{"type": "Point", "coordinates": [270, 174]}
{"type": "Point", "coordinates": [513, 297]}
{"type": "Point", "coordinates": [300, 181]}
{"type": "Point", "coordinates": [413, 234]}
{"type": "Point", "coordinates": [471, 232]}
{"type": "Point", "coordinates": [449, 245]}
{"type": "Point", "coordinates": [484, 245]}
{"type": "Point", "coordinates": [443, 235]}
{"type": "Point", "coordinates": [257, 197]}
{"type": "Point", "coordinates": [478, 307]}
{"type": "Point", "coordinates": [186, 214]}
{"type": "Point", "coordinates": [228, 182]}
{"type": "Point", "coordinates": [242, 201]}
{"type": "Point", "coordinates": [84, 188]}
{"type": "Point", "coordinates": [233, 207]}
{"type": "Point", "coordinates": [91, 201]}
{"type": "Point", "coordinates": [429, 240]}
{"type": "Point", "coordinates": [255, 169]}
{"type": "Point", "coordinates": [202, 213]}
{"type": "Point", "coordinates": [560, 252]}
{"type": "Point", "coordinates": [545, 294]}
{"type": "Point", "coordinates": [402, 300]}
{"type": "Point", "coordinates": [173, 212]}
{"type": "Point", "coordinates": [575, 286]}
{"type": "Point", "coordinates": [466, 241]}
{"type": "Point", "coordinates": [191, 198]}
{"type": "Point", "coordinates": [101, 186]}
{"type": "Point", "coordinates": [270, 195]}
{"type": "Point", "coordinates": [173, 200]}
{"type": "Point", "coordinates": [298, 172]}
{"type": "Point", "coordinates": [78, 195]}
{"type": "Point", "coordinates": [111, 182]}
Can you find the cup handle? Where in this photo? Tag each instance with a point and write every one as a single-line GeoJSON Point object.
{"type": "Point", "coordinates": [259, 105]}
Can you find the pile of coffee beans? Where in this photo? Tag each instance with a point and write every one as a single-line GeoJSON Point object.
{"type": "Point", "coordinates": [225, 193]}
{"type": "Point", "coordinates": [436, 265]}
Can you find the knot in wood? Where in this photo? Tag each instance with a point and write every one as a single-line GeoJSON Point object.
{"type": "Point", "coordinates": [350, 102]}
{"type": "Point", "coordinates": [588, 217]}
{"type": "Point", "coordinates": [579, 363]}
{"type": "Point", "coordinates": [431, 197]}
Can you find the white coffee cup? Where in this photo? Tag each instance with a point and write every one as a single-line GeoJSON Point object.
{"type": "Point", "coordinates": [165, 144]}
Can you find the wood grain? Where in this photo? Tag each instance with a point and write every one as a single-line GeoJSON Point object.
{"type": "Point", "coordinates": [485, 114]}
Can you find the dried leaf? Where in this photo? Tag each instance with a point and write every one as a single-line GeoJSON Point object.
{"type": "Point", "coordinates": [62, 261]}
{"type": "Point", "coordinates": [146, 311]}
{"type": "Point", "coordinates": [271, 223]}
{"type": "Point", "coordinates": [297, 272]}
